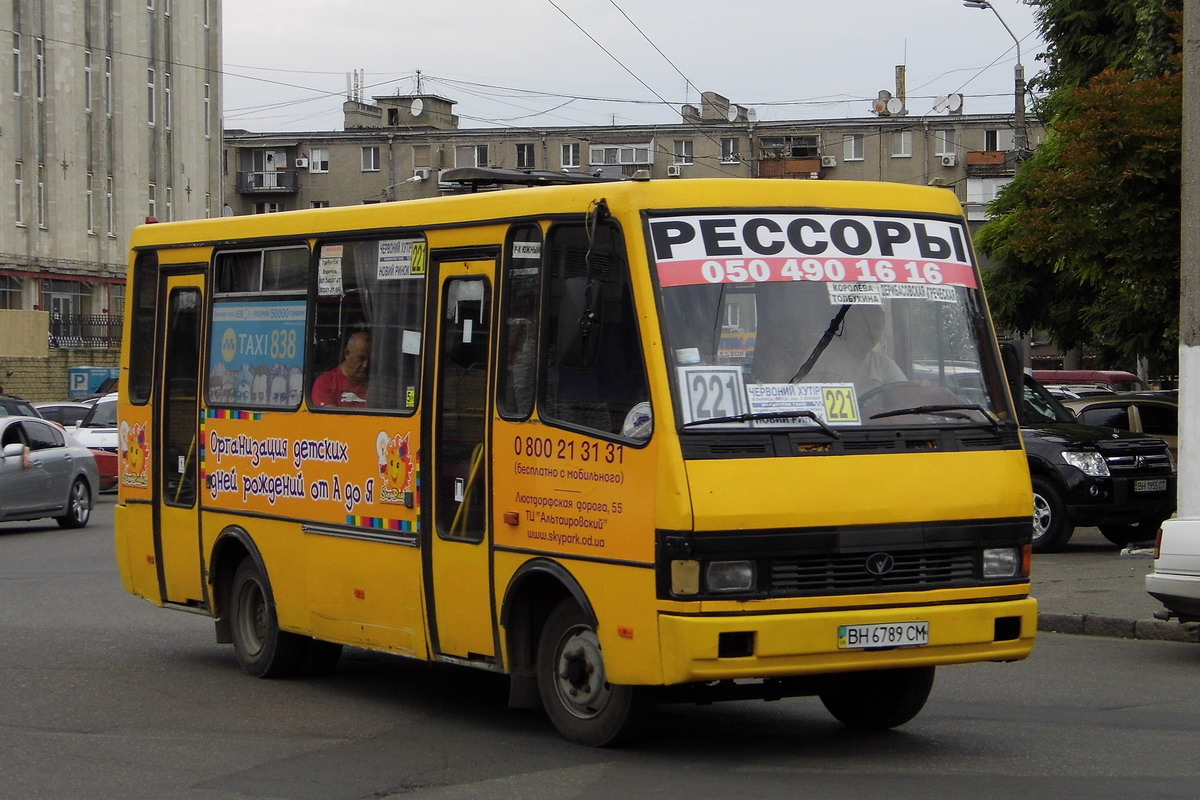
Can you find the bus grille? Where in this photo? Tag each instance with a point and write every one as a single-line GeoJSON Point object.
{"type": "Point", "coordinates": [842, 573]}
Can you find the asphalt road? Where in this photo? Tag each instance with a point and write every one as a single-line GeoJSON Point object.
{"type": "Point", "coordinates": [104, 696]}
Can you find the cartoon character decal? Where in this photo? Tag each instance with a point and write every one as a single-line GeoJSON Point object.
{"type": "Point", "coordinates": [395, 466]}
{"type": "Point", "coordinates": [135, 453]}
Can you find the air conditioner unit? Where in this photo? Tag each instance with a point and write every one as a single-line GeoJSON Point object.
{"type": "Point", "coordinates": [423, 174]}
{"type": "Point", "coordinates": [301, 163]}
{"type": "Point", "coordinates": [674, 170]}
{"type": "Point", "coordinates": [949, 160]}
{"type": "Point", "coordinates": [828, 161]}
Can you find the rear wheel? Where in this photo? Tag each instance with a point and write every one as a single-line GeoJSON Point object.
{"type": "Point", "coordinates": [877, 701]}
{"type": "Point", "coordinates": [1127, 533]}
{"type": "Point", "coordinates": [79, 506]}
{"type": "Point", "coordinates": [262, 649]}
{"type": "Point", "coordinates": [1051, 527]}
{"type": "Point", "coordinates": [582, 704]}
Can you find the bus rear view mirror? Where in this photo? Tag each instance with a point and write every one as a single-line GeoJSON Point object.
{"type": "Point", "coordinates": [579, 323]}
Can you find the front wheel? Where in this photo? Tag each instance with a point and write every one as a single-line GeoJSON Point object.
{"type": "Point", "coordinates": [79, 506]}
{"type": "Point", "coordinates": [1124, 534]}
{"type": "Point", "coordinates": [1051, 527]}
{"type": "Point", "coordinates": [877, 701]}
{"type": "Point", "coordinates": [262, 649]}
{"type": "Point", "coordinates": [584, 707]}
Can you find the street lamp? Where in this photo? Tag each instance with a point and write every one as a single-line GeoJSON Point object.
{"type": "Point", "coordinates": [1020, 137]}
{"type": "Point", "coordinates": [387, 190]}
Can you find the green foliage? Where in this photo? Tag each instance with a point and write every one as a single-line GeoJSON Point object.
{"type": "Point", "coordinates": [1087, 234]}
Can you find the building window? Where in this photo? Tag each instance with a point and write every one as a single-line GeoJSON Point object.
{"type": "Point", "coordinates": [944, 143]}
{"type": "Point", "coordinates": [731, 150]}
{"type": "Point", "coordinates": [318, 159]}
{"type": "Point", "coordinates": [998, 140]}
{"type": "Point", "coordinates": [319, 204]}
{"type": "Point", "coordinates": [524, 156]}
{"type": "Point", "coordinates": [109, 211]}
{"type": "Point", "coordinates": [613, 154]}
{"type": "Point", "coordinates": [370, 159]}
{"type": "Point", "coordinates": [19, 193]}
{"type": "Point", "coordinates": [570, 155]}
{"type": "Point", "coordinates": [87, 81]}
{"type": "Point", "coordinates": [901, 144]}
{"type": "Point", "coordinates": [151, 94]}
{"type": "Point", "coordinates": [10, 292]}
{"type": "Point", "coordinates": [39, 66]}
{"type": "Point", "coordinates": [170, 203]}
{"type": "Point", "coordinates": [116, 299]}
{"type": "Point", "coordinates": [167, 100]}
{"type": "Point", "coordinates": [207, 111]}
{"type": "Point", "coordinates": [808, 146]}
{"type": "Point", "coordinates": [421, 156]}
{"type": "Point", "coordinates": [91, 214]}
{"type": "Point", "coordinates": [108, 92]}
{"type": "Point", "coordinates": [41, 195]}
{"type": "Point", "coordinates": [853, 147]}
{"type": "Point", "coordinates": [267, 208]}
{"type": "Point", "coordinates": [471, 155]}
{"type": "Point", "coordinates": [152, 201]}
{"type": "Point", "coordinates": [16, 62]}
{"type": "Point", "coordinates": [683, 151]}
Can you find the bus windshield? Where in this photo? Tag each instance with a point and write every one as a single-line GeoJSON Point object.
{"type": "Point", "coordinates": [803, 319]}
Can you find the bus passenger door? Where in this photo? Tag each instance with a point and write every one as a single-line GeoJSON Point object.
{"type": "Point", "coordinates": [175, 443]}
{"type": "Point", "coordinates": [459, 553]}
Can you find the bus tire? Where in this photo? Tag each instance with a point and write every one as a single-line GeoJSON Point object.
{"type": "Point", "coordinates": [262, 649]}
{"type": "Point", "coordinates": [878, 700]}
{"type": "Point", "coordinates": [583, 706]}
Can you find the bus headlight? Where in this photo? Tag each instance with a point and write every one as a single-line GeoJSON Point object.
{"type": "Point", "coordinates": [1092, 464]}
{"type": "Point", "coordinates": [1000, 562]}
{"type": "Point", "coordinates": [729, 576]}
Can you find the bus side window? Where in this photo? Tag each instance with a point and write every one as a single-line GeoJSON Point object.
{"type": "Point", "coordinates": [141, 328]}
{"type": "Point", "coordinates": [375, 287]}
{"type": "Point", "coordinates": [597, 392]}
{"type": "Point", "coordinates": [518, 331]}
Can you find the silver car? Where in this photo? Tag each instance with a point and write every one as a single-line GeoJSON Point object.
{"type": "Point", "coordinates": [44, 473]}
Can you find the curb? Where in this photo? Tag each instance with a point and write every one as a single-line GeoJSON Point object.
{"type": "Point", "coordinates": [1097, 625]}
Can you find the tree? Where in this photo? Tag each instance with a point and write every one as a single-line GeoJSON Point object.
{"type": "Point", "coordinates": [1086, 236]}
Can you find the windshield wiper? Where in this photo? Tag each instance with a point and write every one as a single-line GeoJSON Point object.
{"type": "Point", "coordinates": [943, 410]}
{"type": "Point", "coordinates": [748, 417]}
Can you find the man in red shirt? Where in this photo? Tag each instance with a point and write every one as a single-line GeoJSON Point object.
{"type": "Point", "coordinates": [346, 384]}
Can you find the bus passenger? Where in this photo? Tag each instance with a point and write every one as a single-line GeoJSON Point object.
{"type": "Point", "coordinates": [346, 384]}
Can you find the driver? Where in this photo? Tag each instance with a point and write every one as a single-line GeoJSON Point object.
{"type": "Point", "coordinates": [854, 356]}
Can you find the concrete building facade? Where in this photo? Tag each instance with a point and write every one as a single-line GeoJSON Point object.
{"type": "Point", "coordinates": [398, 147]}
{"type": "Point", "coordinates": [109, 114]}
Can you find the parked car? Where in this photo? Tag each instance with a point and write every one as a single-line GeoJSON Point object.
{"type": "Point", "coordinates": [66, 412]}
{"type": "Point", "coordinates": [1114, 379]}
{"type": "Point", "coordinates": [13, 406]}
{"type": "Point", "coordinates": [1120, 481]}
{"type": "Point", "coordinates": [98, 430]}
{"type": "Point", "coordinates": [1175, 579]}
{"type": "Point", "coordinates": [1073, 391]}
{"type": "Point", "coordinates": [1153, 413]}
{"type": "Point", "coordinates": [59, 479]}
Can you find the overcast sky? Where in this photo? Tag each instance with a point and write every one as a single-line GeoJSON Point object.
{"type": "Point", "coordinates": [542, 63]}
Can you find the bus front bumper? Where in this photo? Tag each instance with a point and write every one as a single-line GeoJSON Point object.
{"type": "Point", "coordinates": [728, 647]}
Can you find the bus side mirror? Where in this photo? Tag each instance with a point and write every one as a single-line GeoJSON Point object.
{"type": "Point", "coordinates": [579, 321]}
{"type": "Point", "coordinates": [1013, 373]}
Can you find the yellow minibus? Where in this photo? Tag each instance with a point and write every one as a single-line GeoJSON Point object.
{"type": "Point", "coordinates": [625, 442]}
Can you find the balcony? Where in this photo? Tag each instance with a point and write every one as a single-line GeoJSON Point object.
{"type": "Point", "coordinates": [991, 164]}
{"type": "Point", "coordinates": [277, 181]}
{"type": "Point", "coordinates": [78, 331]}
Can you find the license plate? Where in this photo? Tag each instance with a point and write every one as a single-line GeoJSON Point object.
{"type": "Point", "coordinates": [883, 635]}
{"type": "Point", "coordinates": [1150, 485]}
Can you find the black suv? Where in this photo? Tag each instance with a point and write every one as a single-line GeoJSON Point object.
{"type": "Point", "coordinates": [1121, 482]}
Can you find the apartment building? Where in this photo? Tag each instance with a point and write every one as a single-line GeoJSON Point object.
{"type": "Point", "coordinates": [109, 114]}
{"type": "Point", "coordinates": [399, 147]}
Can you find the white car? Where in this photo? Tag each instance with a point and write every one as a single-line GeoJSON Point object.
{"type": "Point", "coordinates": [1175, 580]}
{"type": "Point", "coordinates": [98, 430]}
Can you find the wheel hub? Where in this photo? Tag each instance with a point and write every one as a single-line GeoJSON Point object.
{"type": "Point", "coordinates": [580, 674]}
